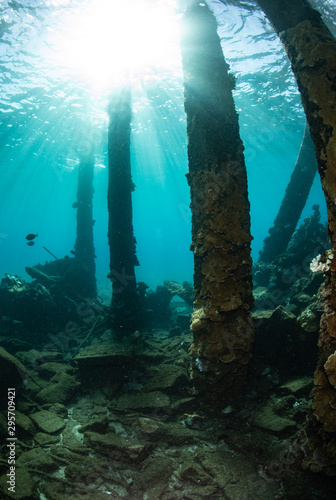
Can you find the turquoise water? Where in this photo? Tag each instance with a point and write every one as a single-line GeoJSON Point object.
{"type": "Point", "coordinates": [48, 111]}
{"type": "Point", "coordinates": [126, 402]}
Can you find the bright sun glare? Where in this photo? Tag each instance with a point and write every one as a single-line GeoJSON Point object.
{"type": "Point", "coordinates": [110, 42]}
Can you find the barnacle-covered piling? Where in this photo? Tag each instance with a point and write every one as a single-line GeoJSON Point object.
{"type": "Point", "coordinates": [311, 49]}
{"type": "Point", "coordinates": [220, 213]}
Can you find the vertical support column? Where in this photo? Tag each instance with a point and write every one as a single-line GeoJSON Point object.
{"type": "Point", "coordinates": [311, 49]}
{"type": "Point", "coordinates": [220, 213]}
{"type": "Point", "coordinates": [293, 202]}
{"type": "Point", "coordinates": [84, 245]}
{"type": "Point", "coordinates": [125, 303]}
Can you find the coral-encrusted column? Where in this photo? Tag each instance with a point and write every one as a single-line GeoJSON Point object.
{"type": "Point", "coordinates": [220, 213]}
{"type": "Point", "coordinates": [312, 51]}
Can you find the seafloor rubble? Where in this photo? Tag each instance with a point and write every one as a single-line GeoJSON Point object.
{"type": "Point", "coordinates": [121, 420]}
{"type": "Point", "coordinates": [100, 415]}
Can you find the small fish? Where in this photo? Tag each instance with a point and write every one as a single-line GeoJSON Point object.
{"type": "Point", "coordinates": [31, 236]}
{"type": "Point", "coordinates": [30, 243]}
{"type": "Point", "coordinates": [75, 204]}
{"type": "Point", "coordinates": [227, 410]}
{"type": "Point", "coordinates": [73, 252]}
{"type": "Point", "coordinates": [266, 371]}
{"type": "Point", "coordinates": [189, 422]}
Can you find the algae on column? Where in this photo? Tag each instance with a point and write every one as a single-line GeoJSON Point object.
{"type": "Point", "coordinates": [220, 208]}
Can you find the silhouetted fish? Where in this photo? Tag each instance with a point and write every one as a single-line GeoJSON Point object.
{"type": "Point", "coordinates": [75, 204]}
{"type": "Point", "coordinates": [73, 252]}
{"type": "Point", "coordinates": [30, 243]}
{"type": "Point", "coordinates": [31, 236]}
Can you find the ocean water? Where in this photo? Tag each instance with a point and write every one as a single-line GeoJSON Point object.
{"type": "Point", "coordinates": [50, 108]}
{"type": "Point", "coordinates": [99, 414]}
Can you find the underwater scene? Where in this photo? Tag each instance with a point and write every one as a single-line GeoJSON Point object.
{"type": "Point", "coordinates": [167, 235]}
